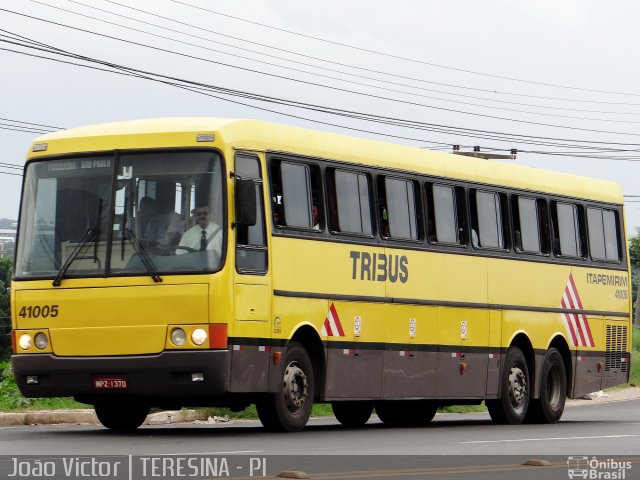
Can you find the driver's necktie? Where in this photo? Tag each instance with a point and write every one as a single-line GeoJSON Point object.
{"type": "Point", "coordinates": [203, 241]}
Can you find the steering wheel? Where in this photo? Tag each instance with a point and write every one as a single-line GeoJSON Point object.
{"type": "Point", "coordinates": [172, 250]}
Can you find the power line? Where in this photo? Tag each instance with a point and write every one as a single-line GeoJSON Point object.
{"type": "Point", "coordinates": [398, 57]}
{"type": "Point", "coordinates": [262, 54]}
{"type": "Point", "coordinates": [30, 123]}
{"type": "Point", "coordinates": [323, 75]}
{"type": "Point", "coordinates": [12, 174]}
{"type": "Point", "coordinates": [492, 91]}
{"type": "Point", "coordinates": [171, 81]}
{"type": "Point", "coordinates": [368, 95]}
{"type": "Point", "coordinates": [10, 165]}
{"type": "Point", "coordinates": [16, 128]}
{"type": "Point", "coordinates": [378, 119]}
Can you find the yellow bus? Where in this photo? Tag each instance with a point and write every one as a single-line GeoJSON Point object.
{"type": "Point", "coordinates": [222, 262]}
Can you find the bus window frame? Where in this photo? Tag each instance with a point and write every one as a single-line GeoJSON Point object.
{"type": "Point", "coordinates": [616, 213]}
{"type": "Point", "coordinates": [275, 161]}
{"type": "Point", "coordinates": [582, 237]}
{"type": "Point", "coordinates": [418, 203]}
{"type": "Point", "coordinates": [332, 197]}
{"type": "Point", "coordinates": [260, 217]}
{"type": "Point", "coordinates": [460, 210]}
{"type": "Point", "coordinates": [506, 219]}
{"type": "Point", "coordinates": [542, 222]}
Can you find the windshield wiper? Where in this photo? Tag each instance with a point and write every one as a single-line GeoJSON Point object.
{"type": "Point", "coordinates": [92, 235]}
{"type": "Point", "coordinates": [128, 234]}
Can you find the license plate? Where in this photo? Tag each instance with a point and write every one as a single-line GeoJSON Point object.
{"type": "Point", "coordinates": [110, 382]}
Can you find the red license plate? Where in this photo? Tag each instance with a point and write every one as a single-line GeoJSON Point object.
{"type": "Point", "coordinates": [110, 382]}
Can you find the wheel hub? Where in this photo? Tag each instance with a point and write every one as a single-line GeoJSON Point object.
{"type": "Point", "coordinates": [517, 386]}
{"type": "Point", "coordinates": [295, 388]}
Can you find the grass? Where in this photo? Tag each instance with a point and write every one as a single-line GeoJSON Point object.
{"type": "Point", "coordinates": [12, 400]}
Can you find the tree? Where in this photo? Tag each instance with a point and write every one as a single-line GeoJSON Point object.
{"type": "Point", "coordinates": [634, 259]}
{"type": "Point", "coordinates": [6, 265]}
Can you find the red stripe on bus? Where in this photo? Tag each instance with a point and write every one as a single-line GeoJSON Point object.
{"type": "Point", "coordinates": [336, 319]}
{"type": "Point", "coordinates": [574, 339]}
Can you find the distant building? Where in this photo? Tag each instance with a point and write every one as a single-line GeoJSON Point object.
{"type": "Point", "coordinates": [7, 242]}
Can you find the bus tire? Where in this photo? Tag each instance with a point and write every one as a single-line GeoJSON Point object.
{"type": "Point", "coordinates": [121, 416]}
{"type": "Point", "coordinates": [511, 407]}
{"type": "Point", "coordinates": [553, 390]}
{"type": "Point", "coordinates": [352, 414]}
{"type": "Point", "coordinates": [289, 409]}
{"type": "Point", "coordinates": [408, 412]}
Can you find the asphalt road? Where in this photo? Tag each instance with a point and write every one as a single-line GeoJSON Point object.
{"type": "Point", "coordinates": [452, 446]}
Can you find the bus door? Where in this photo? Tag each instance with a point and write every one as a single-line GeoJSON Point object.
{"type": "Point", "coordinates": [250, 341]}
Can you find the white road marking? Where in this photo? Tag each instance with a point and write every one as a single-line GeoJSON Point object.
{"type": "Point", "coordinates": [547, 439]}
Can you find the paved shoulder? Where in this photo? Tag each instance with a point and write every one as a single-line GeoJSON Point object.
{"type": "Point", "coordinates": [88, 416]}
{"type": "Point", "coordinates": [604, 396]}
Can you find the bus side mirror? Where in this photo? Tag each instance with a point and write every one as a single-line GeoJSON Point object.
{"type": "Point", "coordinates": [246, 210]}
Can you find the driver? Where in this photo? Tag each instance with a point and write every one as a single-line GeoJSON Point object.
{"type": "Point", "coordinates": [204, 235]}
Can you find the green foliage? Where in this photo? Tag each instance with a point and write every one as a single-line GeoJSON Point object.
{"type": "Point", "coordinates": [634, 259]}
{"type": "Point", "coordinates": [10, 397]}
{"type": "Point", "coordinates": [634, 377]}
{"type": "Point", "coordinates": [463, 408]}
{"type": "Point", "coordinates": [634, 249]}
{"type": "Point", "coordinates": [6, 266]}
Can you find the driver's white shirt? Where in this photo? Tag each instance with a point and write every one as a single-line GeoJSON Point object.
{"type": "Point", "coordinates": [191, 238]}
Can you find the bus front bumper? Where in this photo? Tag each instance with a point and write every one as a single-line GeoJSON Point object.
{"type": "Point", "coordinates": [165, 375]}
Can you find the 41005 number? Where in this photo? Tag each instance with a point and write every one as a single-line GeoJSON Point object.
{"type": "Point", "coordinates": [39, 311]}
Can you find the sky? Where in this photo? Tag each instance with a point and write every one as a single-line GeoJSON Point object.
{"type": "Point", "coordinates": [558, 81]}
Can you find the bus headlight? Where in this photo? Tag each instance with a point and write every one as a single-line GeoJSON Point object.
{"type": "Point", "coordinates": [25, 342]}
{"type": "Point", "coordinates": [199, 336]}
{"type": "Point", "coordinates": [41, 341]}
{"type": "Point", "coordinates": [178, 337]}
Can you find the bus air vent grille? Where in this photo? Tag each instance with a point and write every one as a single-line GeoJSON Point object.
{"type": "Point", "coordinates": [616, 348]}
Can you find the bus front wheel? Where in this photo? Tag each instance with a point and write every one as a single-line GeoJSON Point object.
{"type": "Point", "coordinates": [352, 414]}
{"type": "Point", "coordinates": [553, 390]}
{"type": "Point", "coordinates": [289, 409]}
{"type": "Point", "coordinates": [511, 407]}
{"type": "Point", "coordinates": [121, 416]}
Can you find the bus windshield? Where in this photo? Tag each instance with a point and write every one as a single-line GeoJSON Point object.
{"type": "Point", "coordinates": [122, 214]}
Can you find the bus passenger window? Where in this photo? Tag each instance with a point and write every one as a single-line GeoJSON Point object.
{"type": "Point", "coordinates": [488, 214]}
{"type": "Point", "coordinates": [446, 217]}
{"type": "Point", "coordinates": [603, 234]}
{"type": "Point", "coordinates": [568, 230]}
{"type": "Point", "coordinates": [297, 201]}
{"type": "Point", "coordinates": [527, 230]}
{"type": "Point", "coordinates": [350, 202]}
{"type": "Point", "coordinates": [399, 218]}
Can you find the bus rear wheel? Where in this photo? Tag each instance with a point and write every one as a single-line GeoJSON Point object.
{"type": "Point", "coordinates": [352, 414]}
{"type": "Point", "coordinates": [407, 412]}
{"type": "Point", "coordinates": [553, 390]}
{"type": "Point", "coordinates": [121, 416]}
{"type": "Point", "coordinates": [289, 409]}
{"type": "Point", "coordinates": [511, 407]}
